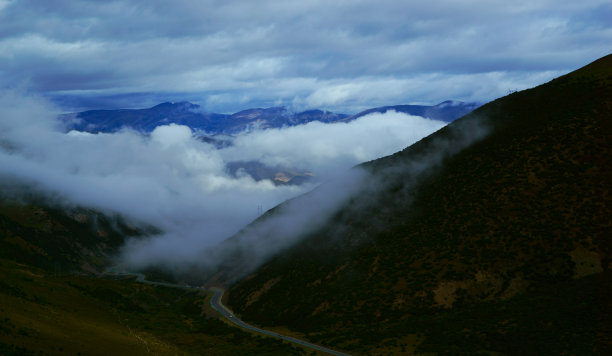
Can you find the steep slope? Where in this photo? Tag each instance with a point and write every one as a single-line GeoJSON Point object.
{"type": "Point", "coordinates": [44, 234]}
{"type": "Point", "coordinates": [51, 303]}
{"type": "Point", "coordinates": [491, 235]}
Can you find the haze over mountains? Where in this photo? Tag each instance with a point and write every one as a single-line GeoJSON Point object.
{"type": "Point", "coordinates": [220, 130]}
{"type": "Point", "coordinates": [181, 184]}
{"type": "Point", "coordinates": [490, 235]}
{"type": "Point", "coordinates": [154, 154]}
{"type": "Point", "coordinates": [192, 115]}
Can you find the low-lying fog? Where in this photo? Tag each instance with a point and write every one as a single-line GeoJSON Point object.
{"type": "Point", "coordinates": [176, 182]}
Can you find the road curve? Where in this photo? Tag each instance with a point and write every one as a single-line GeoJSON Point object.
{"type": "Point", "coordinates": [216, 303]}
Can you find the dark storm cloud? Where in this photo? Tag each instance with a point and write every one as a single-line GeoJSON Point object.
{"type": "Point", "coordinates": [307, 53]}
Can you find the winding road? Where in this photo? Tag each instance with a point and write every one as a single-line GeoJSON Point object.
{"type": "Point", "coordinates": [216, 303]}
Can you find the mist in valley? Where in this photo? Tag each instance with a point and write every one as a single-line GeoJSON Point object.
{"type": "Point", "coordinates": [181, 185]}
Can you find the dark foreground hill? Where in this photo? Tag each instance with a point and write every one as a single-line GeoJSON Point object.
{"type": "Point", "coordinates": [490, 236]}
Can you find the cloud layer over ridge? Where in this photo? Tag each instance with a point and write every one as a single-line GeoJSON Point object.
{"type": "Point", "coordinates": [176, 182]}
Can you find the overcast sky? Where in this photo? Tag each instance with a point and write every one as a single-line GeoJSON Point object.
{"type": "Point", "coordinates": [338, 55]}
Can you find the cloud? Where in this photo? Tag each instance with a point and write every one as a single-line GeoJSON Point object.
{"type": "Point", "coordinates": [178, 183]}
{"type": "Point", "coordinates": [365, 188]}
{"type": "Point", "coordinates": [331, 149]}
{"type": "Point", "coordinates": [275, 51]}
{"type": "Point", "coordinates": [280, 229]}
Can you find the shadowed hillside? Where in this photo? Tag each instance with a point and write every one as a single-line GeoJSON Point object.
{"type": "Point", "coordinates": [52, 304]}
{"type": "Point", "coordinates": [491, 235]}
{"type": "Point", "coordinates": [44, 234]}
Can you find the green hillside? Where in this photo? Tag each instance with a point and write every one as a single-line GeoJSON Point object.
{"type": "Point", "coordinates": [54, 302]}
{"type": "Point", "coordinates": [44, 313]}
{"type": "Point", "coordinates": [489, 236]}
{"type": "Point", "coordinates": [49, 238]}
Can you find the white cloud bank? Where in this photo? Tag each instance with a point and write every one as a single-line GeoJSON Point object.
{"type": "Point", "coordinates": [176, 182]}
{"type": "Point", "coordinates": [344, 55]}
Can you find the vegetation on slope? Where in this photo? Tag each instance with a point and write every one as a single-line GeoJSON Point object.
{"type": "Point", "coordinates": [62, 239]}
{"type": "Point", "coordinates": [500, 246]}
{"type": "Point", "coordinates": [51, 301]}
{"type": "Point", "coordinates": [43, 313]}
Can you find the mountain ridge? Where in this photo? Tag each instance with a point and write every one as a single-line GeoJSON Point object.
{"type": "Point", "coordinates": [519, 213]}
{"type": "Point", "coordinates": [186, 113]}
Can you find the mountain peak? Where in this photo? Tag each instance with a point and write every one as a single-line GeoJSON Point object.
{"type": "Point", "coordinates": [185, 105]}
{"type": "Point", "coordinates": [449, 103]}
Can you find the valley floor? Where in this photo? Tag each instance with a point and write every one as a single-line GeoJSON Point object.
{"type": "Point", "coordinates": [44, 313]}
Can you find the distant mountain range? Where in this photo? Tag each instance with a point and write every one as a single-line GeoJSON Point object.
{"type": "Point", "coordinates": [217, 129]}
{"type": "Point", "coordinates": [192, 115]}
{"type": "Point", "coordinates": [497, 247]}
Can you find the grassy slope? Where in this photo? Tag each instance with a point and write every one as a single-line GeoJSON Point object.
{"type": "Point", "coordinates": [497, 229]}
{"type": "Point", "coordinates": [51, 303]}
{"type": "Point", "coordinates": [48, 237]}
{"type": "Point", "coordinates": [44, 313]}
